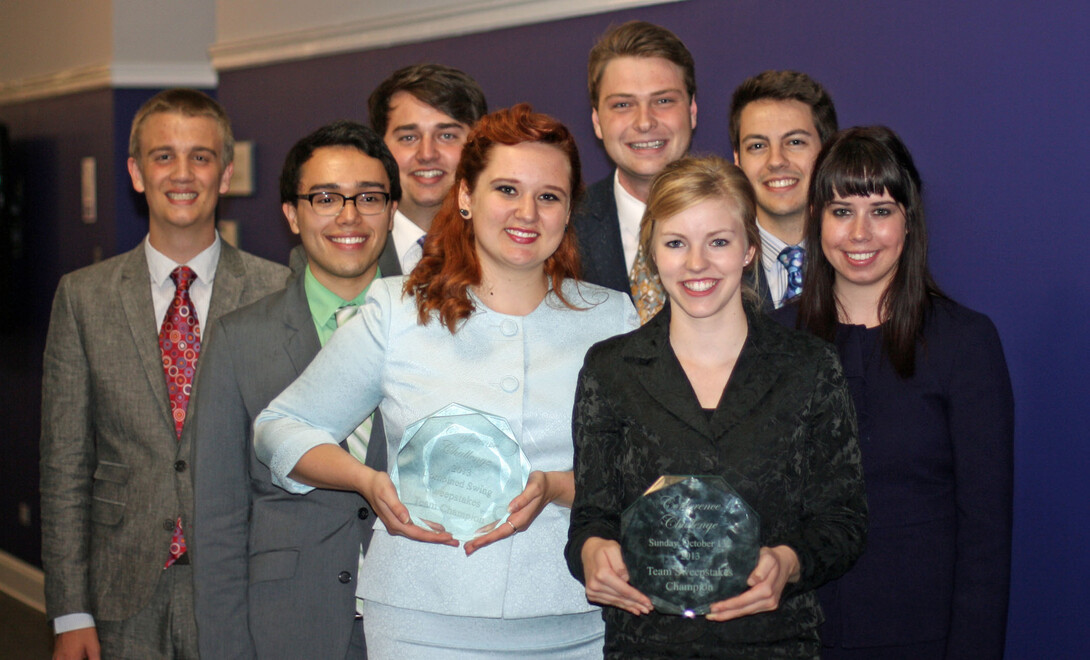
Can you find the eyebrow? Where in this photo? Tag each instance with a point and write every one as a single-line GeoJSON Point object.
{"type": "Point", "coordinates": [718, 232]}
{"type": "Point", "coordinates": [660, 92]}
{"type": "Point", "coordinates": [758, 136]}
{"type": "Point", "coordinates": [547, 186]}
{"type": "Point", "coordinates": [172, 149]}
{"type": "Point", "coordinates": [359, 184]}
{"type": "Point", "coordinates": [442, 126]}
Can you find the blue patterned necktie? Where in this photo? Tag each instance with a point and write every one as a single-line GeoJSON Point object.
{"type": "Point", "coordinates": [792, 258]}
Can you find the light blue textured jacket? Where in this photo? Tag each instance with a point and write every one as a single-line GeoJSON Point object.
{"type": "Point", "coordinates": [523, 368]}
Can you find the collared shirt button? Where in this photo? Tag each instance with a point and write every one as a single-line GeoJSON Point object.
{"type": "Point", "coordinates": [344, 577]}
{"type": "Point", "coordinates": [509, 328]}
{"type": "Point", "coordinates": [509, 383]}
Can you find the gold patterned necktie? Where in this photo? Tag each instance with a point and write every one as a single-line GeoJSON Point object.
{"type": "Point", "coordinates": [647, 292]}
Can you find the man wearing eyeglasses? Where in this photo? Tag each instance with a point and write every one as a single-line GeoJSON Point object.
{"type": "Point", "coordinates": [276, 573]}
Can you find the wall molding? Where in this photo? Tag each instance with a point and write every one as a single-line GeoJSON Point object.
{"type": "Point", "coordinates": [103, 76]}
{"type": "Point", "coordinates": [396, 29]}
{"type": "Point", "coordinates": [21, 581]}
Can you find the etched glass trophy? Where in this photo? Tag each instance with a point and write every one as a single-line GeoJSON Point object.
{"type": "Point", "coordinates": [458, 469]}
{"type": "Point", "coordinates": [689, 542]}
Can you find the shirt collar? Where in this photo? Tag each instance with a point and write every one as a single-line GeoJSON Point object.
{"type": "Point", "coordinates": [629, 209]}
{"type": "Point", "coordinates": [324, 303]}
{"type": "Point", "coordinates": [405, 233]}
{"type": "Point", "coordinates": [771, 246]}
{"type": "Point", "coordinates": [203, 265]}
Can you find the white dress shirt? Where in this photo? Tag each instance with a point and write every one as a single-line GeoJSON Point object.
{"type": "Point", "coordinates": [406, 235]}
{"type": "Point", "coordinates": [629, 213]}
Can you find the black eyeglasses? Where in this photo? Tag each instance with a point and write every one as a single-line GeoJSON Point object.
{"type": "Point", "coordinates": [331, 203]}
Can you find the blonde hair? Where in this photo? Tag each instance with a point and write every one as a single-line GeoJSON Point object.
{"type": "Point", "coordinates": [689, 181]}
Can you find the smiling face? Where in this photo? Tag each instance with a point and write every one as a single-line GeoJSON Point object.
{"type": "Point", "coordinates": [519, 208]}
{"type": "Point", "coordinates": [427, 144]}
{"type": "Point", "coordinates": [342, 250]}
{"type": "Point", "coordinates": [644, 118]}
{"type": "Point", "coordinates": [778, 146]}
{"type": "Point", "coordinates": [700, 254]}
{"type": "Point", "coordinates": [863, 238]}
{"type": "Point", "coordinates": [181, 172]}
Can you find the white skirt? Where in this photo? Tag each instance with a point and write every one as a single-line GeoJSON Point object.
{"type": "Point", "coordinates": [393, 633]}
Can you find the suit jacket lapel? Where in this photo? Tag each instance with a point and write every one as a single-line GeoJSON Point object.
{"type": "Point", "coordinates": [228, 285]}
{"type": "Point", "coordinates": [300, 337]}
{"type": "Point", "coordinates": [665, 381]}
{"type": "Point", "coordinates": [602, 237]}
{"type": "Point", "coordinates": [388, 262]}
{"type": "Point", "coordinates": [134, 289]}
{"type": "Point", "coordinates": [662, 376]}
{"type": "Point", "coordinates": [754, 375]}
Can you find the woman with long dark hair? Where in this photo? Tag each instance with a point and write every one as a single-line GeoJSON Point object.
{"type": "Point", "coordinates": [491, 319]}
{"type": "Point", "coordinates": [935, 407]}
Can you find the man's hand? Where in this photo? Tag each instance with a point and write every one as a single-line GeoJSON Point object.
{"type": "Point", "coordinates": [77, 645]}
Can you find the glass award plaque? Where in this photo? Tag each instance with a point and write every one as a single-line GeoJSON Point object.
{"type": "Point", "coordinates": [458, 469]}
{"type": "Point", "coordinates": [689, 542]}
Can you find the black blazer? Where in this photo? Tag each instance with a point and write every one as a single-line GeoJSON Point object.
{"type": "Point", "coordinates": [784, 436]}
{"type": "Point", "coordinates": [938, 459]}
{"type": "Point", "coordinates": [598, 232]}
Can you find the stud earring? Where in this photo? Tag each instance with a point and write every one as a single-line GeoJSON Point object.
{"type": "Point", "coordinates": [465, 213]}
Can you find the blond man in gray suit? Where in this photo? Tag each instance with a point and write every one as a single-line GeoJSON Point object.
{"type": "Point", "coordinates": [115, 484]}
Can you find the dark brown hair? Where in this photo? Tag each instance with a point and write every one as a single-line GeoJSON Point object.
{"type": "Point", "coordinates": [783, 86]}
{"type": "Point", "coordinates": [444, 88]}
{"type": "Point", "coordinates": [865, 161]}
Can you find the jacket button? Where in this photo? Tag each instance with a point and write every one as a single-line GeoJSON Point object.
{"type": "Point", "coordinates": [345, 577]}
{"type": "Point", "coordinates": [363, 513]}
{"type": "Point", "coordinates": [179, 466]}
{"type": "Point", "coordinates": [168, 525]}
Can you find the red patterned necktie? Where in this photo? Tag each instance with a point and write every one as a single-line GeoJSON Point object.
{"type": "Point", "coordinates": [180, 343]}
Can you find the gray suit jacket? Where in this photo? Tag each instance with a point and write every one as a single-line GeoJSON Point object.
{"type": "Point", "coordinates": [280, 566]}
{"type": "Point", "coordinates": [114, 476]}
{"type": "Point", "coordinates": [599, 234]}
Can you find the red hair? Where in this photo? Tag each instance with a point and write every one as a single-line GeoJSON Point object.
{"type": "Point", "coordinates": [440, 282]}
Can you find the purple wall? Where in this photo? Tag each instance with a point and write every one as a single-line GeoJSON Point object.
{"type": "Point", "coordinates": [987, 96]}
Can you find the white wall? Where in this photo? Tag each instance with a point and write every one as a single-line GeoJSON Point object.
{"type": "Point", "coordinates": [53, 47]}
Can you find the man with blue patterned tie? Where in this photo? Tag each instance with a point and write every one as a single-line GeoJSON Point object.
{"type": "Point", "coordinates": [778, 122]}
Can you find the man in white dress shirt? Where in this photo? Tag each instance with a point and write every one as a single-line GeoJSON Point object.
{"type": "Point", "coordinates": [642, 86]}
{"type": "Point", "coordinates": [424, 113]}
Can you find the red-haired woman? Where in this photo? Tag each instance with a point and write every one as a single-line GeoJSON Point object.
{"type": "Point", "coordinates": [492, 319]}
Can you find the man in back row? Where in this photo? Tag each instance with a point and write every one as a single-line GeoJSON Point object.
{"type": "Point", "coordinates": [423, 113]}
{"type": "Point", "coordinates": [276, 573]}
{"type": "Point", "coordinates": [778, 122]}
{"type": "Point", "coordinates": [123, 346]}
{"type": "Point", "coordinates": [642, 86]}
